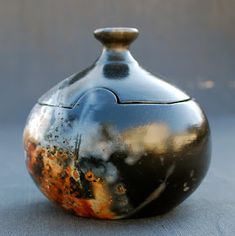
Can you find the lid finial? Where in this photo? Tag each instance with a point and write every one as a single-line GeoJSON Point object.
{"type": "Point", "coordinates": [117, 37]}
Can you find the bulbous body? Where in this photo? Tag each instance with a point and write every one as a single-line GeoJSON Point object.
{"type": "Point", "coordinates": [104, 144]}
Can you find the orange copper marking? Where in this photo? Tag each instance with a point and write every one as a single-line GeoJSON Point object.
{"type": "Point", "coordinates": [76, 174]}
{"type": "Point", "coordinates": [54, 180]}
{"type": "Point", "coordinates": [120, 189]}
{"type": "Point", "coordinates": [90, 176]}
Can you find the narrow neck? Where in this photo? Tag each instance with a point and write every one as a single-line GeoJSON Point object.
{"type": "Point", "coordinates": [118, 55]}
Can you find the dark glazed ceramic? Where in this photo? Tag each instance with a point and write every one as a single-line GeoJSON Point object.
{"type": "Point", "coordinates": [113, 141]}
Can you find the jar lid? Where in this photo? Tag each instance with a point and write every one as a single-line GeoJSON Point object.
{"type": "Point", "coordinates": [117, 71]}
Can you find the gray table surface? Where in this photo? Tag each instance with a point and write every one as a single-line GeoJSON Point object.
{"type": "Point", "coordinates": [208, 211]}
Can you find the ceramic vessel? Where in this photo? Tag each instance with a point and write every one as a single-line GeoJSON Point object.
{"type": "Point", "coordinates": [113, 141]}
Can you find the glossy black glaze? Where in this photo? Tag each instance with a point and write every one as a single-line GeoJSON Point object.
{"type": "Point", "coordinates": [124, 143]}
{"type": "Point", "coordinates": [119, 72]}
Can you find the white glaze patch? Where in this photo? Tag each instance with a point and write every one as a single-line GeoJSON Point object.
{"type": "Point", "coordinates": [191, 173]}
{"type": "Point", "coordinates": [185, 187]}
{"type": "Point", "coordinates": [130, 160]}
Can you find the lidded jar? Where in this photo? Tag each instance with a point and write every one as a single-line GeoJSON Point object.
{"type": "Point", "coordinates": [114, 141]}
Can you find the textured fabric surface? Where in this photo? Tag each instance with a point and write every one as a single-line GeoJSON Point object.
{"type": "Point", "coordinates": [208, 211]}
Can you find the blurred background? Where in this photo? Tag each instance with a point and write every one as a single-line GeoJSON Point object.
{"type": "Point", "coordinates": [189, 43]}
{"type": "Point", "coordinates": [186, 42]}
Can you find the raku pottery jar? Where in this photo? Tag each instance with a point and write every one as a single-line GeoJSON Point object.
{"type": "Point", "coordinates": [113, 141]}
